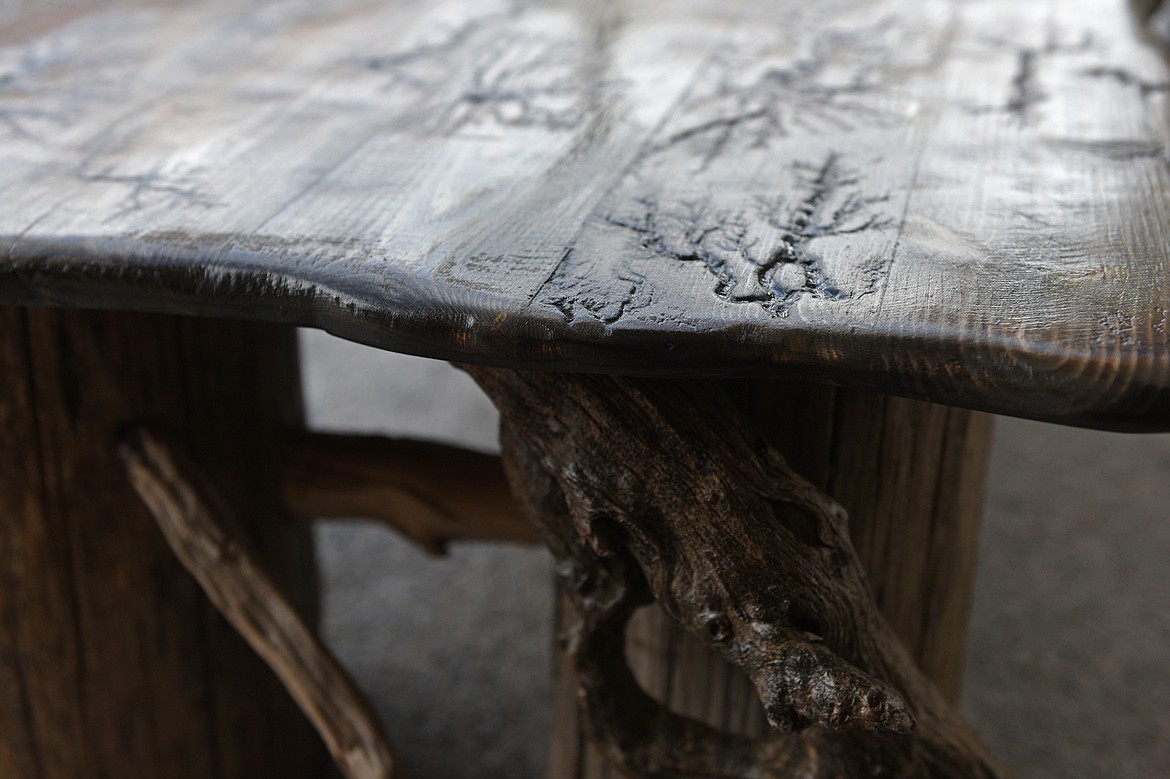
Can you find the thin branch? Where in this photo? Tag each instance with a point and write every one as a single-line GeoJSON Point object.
{"type": "Point", "coordinates": [217, 554]}
{"type": "Point", "coordinates": [430, 492]}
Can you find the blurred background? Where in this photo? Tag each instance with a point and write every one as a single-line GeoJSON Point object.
{"type": "Point", "coordinates": [1069, 660]}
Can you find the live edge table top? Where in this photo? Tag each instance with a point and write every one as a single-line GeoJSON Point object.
{"type": "Point", "coordinates": [965, 201]}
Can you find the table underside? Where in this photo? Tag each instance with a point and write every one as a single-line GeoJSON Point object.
{"type": "Point", "coordinates": [958, 201]}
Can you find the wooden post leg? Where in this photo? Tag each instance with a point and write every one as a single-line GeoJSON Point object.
{"type": "Point", "coordinates": [112, 662]}
{"type": "Point", "coordinates": [678, 491]}
{"type": "Point", "coordinates": [911, 476]}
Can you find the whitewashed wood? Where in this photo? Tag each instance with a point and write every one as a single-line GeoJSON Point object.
{"type": "Point", "coordinates": [958, 201]}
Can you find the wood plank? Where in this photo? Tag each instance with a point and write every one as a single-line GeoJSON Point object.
{"type": "Point", "coordinates": [112, 662]}
{"type": "Point", "coordinates": [955, 201]}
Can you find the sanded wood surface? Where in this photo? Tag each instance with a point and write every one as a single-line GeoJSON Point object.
{"type": "Point", "coordinates": [957, 201]}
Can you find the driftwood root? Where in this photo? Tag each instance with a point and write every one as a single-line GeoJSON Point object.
{"type": "Point", "coordinates": [652, 490]}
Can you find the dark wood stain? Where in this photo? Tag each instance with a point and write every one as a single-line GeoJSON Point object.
{"type": "Point", "coordinates": [112, 663]}
{"type": "Point", "coordinates": [747, 556]}
{"type": "Point", "coordinates": [960, 202]}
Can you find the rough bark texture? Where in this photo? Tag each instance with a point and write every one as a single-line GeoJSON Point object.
{"type": "Point", "coordinates": [911, 476]}
{"type": "Point", "coordinates": [429, 492]}
{"type": "Point", "coordinates": [112, 662]}
{"type": "Point", "coordinates": [665, 490]}
{"type": "Point", "coordinates": [213, 548]}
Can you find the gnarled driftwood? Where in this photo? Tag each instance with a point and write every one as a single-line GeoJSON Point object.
{"type": "Point", "coordinates": [651, 489]}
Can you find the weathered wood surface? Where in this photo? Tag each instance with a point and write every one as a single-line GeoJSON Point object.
{"type": "Point", "coordinates": [743, 553]}
{"type": "Point", "coordinates": [429, 492]}
{"type": "Point", "coordinates": [910, 475]}
{"type": "Point", "coordinates": [112, 663]}
{"type": "Point", "coordinates": [962, 201]}
{"type": "Point", "coordinates": [213, 548]}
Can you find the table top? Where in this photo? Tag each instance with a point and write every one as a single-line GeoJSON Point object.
{"type": "Point", "coordinates": [959, 200]}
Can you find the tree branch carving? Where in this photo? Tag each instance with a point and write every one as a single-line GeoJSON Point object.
{"type": "Point", "coordinates": [647, 490]}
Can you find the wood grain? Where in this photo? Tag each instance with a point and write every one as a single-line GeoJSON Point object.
{"type": "Point", "coordinates": [910, 474]}
{"type": "Point", "coordinates": [739, 550]}
{"type": "Point", "coordinates": [955, 201]}
{"type": "Point", "coordinates": [431, 493]}
{"type": "Point", "coordinates": [112, 663]}
{"type": "Point", "coordinates": [213, 548]}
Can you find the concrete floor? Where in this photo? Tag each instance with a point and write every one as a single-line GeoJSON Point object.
{"type": "Point", "coordinates": [1069, 672]}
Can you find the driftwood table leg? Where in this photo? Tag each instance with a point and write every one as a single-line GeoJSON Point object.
{"type": "Point", "coordinates": [671, 491]}
{"type": "Point", "coordinates": [910, 474]}
{"type": "Point", "coordinates": [112, 662]}
{"type": "Point", "coordinates": [214, 549]}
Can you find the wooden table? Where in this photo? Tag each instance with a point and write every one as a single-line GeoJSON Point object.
{"type": "Point", "coordinates": [676, 243]}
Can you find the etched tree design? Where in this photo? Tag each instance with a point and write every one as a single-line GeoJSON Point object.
{"type": "Point", "coordinates": [1026, 94]}
{"type": "Point", "coordinates": [150, 189]}
{"type": "Point", "coordinates": [754, 96]}
{"type": "Point", "coordinates": [513, 77]}
{"type": "Point", "coordinates": [762, 254]}
{"type": "Point", "coordinates": [34, 92]}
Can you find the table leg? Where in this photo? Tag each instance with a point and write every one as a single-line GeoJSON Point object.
{"type": "Point", "coordinates": [112, 662]}
{"type": "Point", "coordinates": [670, 489]}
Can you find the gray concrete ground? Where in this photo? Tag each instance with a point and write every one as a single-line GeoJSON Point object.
{"type": "Point", "coordinates": [1069, 672]}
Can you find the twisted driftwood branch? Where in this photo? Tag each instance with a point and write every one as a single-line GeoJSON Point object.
{"type": "Point", "coordinates": [430, 492]}
{"type": "Point", "coordinates": [218, 556]}
{"type": "Point", "coordinates": [647, 489]}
